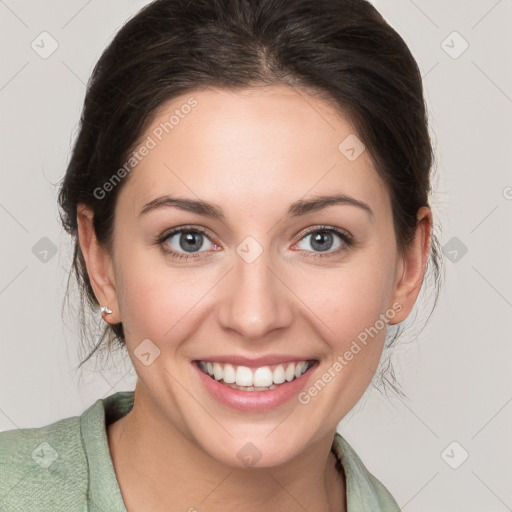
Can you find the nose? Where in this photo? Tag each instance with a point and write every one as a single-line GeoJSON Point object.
{"type": "Point", "coordinates": [255, 299]}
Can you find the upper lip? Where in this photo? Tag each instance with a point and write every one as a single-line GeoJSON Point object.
{"type": "Point", "coordinates": [255, 362]}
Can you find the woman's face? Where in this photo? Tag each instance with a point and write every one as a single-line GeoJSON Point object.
{"type": "Point", "coordinates": [258, 272]}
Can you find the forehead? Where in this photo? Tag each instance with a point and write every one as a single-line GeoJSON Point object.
{"type": "Point", "coordinates": [271, 144]}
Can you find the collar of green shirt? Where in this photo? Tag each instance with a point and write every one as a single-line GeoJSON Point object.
{"type": "Point", "coordinates": [364, 492]}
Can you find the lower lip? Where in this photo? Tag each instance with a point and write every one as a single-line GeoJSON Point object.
{"type": "Point", "coordinates": [254, 400]}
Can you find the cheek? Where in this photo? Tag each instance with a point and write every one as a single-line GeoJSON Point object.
{"type": "Point", "coordinates": [158, 302]}
{"type": "Point", "coordinates": [352, 297]}
{"type": "Point", "coordinates": [351, 312]}
{"type": "Point", "coordinates": [349, 305]}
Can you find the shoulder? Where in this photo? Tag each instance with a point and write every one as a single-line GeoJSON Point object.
{"type": "Point", "coordinates": [364, 490]}
{"type": "Point", "coordinates": [43, 468]}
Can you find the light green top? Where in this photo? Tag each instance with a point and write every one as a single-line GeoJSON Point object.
{"type": "Point", "coordinates": [66, 466]}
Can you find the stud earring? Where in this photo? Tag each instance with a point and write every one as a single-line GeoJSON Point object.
{"type": "Point", "coordinates": [106, 310]}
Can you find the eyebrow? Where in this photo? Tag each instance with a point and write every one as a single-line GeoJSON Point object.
{"type": "Point", "coordinates": [296, 209]}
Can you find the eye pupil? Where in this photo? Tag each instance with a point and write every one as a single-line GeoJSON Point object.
{"type": "Point", "coordinates": [320, 239]}
{"type": "Point", "coordinates": [191, 240]}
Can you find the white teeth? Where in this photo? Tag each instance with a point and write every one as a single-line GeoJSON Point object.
{"type": "Point", "coordinates": [278, 375]}
{"type": "Point", "coordinates": [251, 388]}
{"type": "Point", "coordinates": [244, 376]}
{"type": "Point", "coordinates": [263, 377]}
{"type": "Point", "coordinates": [299, 369]}
{"type": "Point", "coordinates": [217, 371]}
{"type": "Point", "coordinates": [229, 375]}
{"type": "Point", "coordinates": [290, 372]}
{"type": "Point", "coordinates": [257, 379]}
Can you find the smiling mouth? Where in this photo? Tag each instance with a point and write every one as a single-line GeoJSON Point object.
{"type": "Point", "coordinates": [265, 378]}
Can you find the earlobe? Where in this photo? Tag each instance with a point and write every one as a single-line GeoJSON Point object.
{"type": "Point", "coordinates": [99, 264]}
{"type": "Point", "coordinates": [412, 266]}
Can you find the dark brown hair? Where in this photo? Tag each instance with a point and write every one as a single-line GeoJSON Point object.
{"type": "Point", "coordinates": [342, 50]}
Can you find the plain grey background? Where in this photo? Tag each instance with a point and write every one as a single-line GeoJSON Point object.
{"type": "Point", "coordinates": [447, 447]}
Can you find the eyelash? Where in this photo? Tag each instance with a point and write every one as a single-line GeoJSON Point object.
{"type": "Point", "coordinates": [345, 237]}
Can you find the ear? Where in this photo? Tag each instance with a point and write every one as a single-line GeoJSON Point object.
{"type": "Point", "coordinates": [412, 265]}
{"type": "Point", "coordinates": [99, 264]}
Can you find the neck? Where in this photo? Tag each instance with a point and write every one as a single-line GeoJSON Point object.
{"type": "Point", "coordinates": [149, 453]}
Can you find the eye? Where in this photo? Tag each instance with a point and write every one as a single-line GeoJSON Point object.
{"type": "Point", "coordinates": [325, 240]}
{"type": "Point", "coordinates": [188, 242]}
{"type": "Point", "coordinates": [185, 242]}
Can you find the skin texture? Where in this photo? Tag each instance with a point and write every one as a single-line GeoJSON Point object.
{"type": "Point", "coordinates": [252, 152]}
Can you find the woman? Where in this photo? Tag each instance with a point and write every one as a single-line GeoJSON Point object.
{"type": "Point", "coordinates": [248, 194]}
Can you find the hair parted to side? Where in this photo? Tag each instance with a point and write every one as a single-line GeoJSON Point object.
{"type": "Point", "coordinates": [341, 50]}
